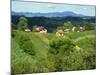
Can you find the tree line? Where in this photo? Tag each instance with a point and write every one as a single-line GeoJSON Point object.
{"type": "Point", "coordinates": [52, 23]}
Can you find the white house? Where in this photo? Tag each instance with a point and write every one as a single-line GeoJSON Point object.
{"type": "Point", "coordinates": [66, 30]}
{"type": "Point", "coordinates": [73, 29]}
{"type": "Point", "coordinates": [27, 30]}
{"type": "Point", "coordinates": [82, 28]}
{"type": "Point", "coordinates": [43, 31]}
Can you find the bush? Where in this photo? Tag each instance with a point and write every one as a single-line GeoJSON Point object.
{"type": "Point", "coordinates": [61, 44]}
{"type": "Point", "coordinates": [66, 56]}
{"type": "Point", "coordinates": [13, 33]}
{"type": "Point", "coordinates": [60, 50]}
{"type": "Point", "coordinates": [25, 43]}
{"type": "Point", "coordinates": [22, 23]}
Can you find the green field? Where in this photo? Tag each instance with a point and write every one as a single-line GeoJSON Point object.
{"type": "Point", "coordinates": [42, 61]}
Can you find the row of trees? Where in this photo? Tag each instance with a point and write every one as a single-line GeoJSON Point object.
{"type": "Point", "coordinates": [23, 23]}
{"type": "Point", "coordinates": [69, 25]}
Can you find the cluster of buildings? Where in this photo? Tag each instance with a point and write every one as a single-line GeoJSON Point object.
{"type": "Point", "coordinates": [59, 32]}
{"type": "Point", "coordinates": [39, 29]}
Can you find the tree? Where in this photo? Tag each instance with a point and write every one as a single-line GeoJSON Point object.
{"type": "Point", "coordinates": [13, 26]}
{"type": "Point", "coordinates": [25, 42]}
{"type": "Point", "coordinates": [68, 25]}
{"type": "Point", "coordinates": [61, 45]}
{"type": "Point", "coordinates": [89, 25]}
{"type": "Point", "coordinates": [61, 50]}
{"type": "Point", "coordinates": [22, 23]}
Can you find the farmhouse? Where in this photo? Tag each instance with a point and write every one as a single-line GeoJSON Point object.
{"type": "Point", "coordinates": [82, 28]}
{"type": "Point", "coordinates": [67, 30]}
{"type": "Point", "coordinates": [60, 33]}
{"type": "Point", "coordinates": [41, 29]}
{"type": "Point", "coordinates": [27, 30]}
{"type": "Point", "coordinates": [73, 29]}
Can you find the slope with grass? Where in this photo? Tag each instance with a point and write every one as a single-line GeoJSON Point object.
{"type": "Point", "coordinates": [75, 35]}
{"type": "Point", "coordinates": [25, 63]}
{"type": "Point", "coordinates": [22, 62]}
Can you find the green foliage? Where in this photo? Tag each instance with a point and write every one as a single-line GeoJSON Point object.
{"type": "Point", "coordinates": [13, 26]}
{"type": "Point", "coordinates": [13, 34]}
{"type": "Point", "coordinates": [34, 28]}
{"type": "Point", "coordinates": [89, 25]}
{"type": "Point", "coordinates": [25, 43]}
{"type": "Point", "coordinates": [65, 55]}
{"type": "Point", "coordinates": [89, 52]}
{"type": "Point", "coordinates": [61, 48]}
{"type": "Point", "coordinates": [27, 46]}
{"type": "Point", "coordinates": [51, 23]}
{"type": "Point", "coordinates": [61, 44]}
{"type": "Point", "coordinates": [75, 35]}
{"type": "Point", "coordinates": [32, 54]}
{"type": "Point", "coordinates": [22, 23]}
{"type": "Point", "coordinates": [68, 25]}
{"type": "Point", "coordinates": [73, 61]}
{"type": "Point", "coordinates": [13, 30]}
{"type": "Point", "coordinates": [20, 60]}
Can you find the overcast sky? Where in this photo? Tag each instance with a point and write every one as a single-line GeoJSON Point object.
{"type": "Point", "coordinates": [19, 6]}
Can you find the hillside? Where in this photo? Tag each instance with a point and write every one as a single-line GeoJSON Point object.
{"type": "Point", "coordinates": [23, 62]}
{"type": "Point", "coordinates": [51, 23]}
{"type": "Point", "coordinates": [52, 14]}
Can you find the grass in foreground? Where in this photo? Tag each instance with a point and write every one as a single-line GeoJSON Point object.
{"type": "Point", "coordinates": [22, 62]}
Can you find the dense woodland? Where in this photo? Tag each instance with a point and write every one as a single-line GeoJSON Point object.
{"type": "Point", "coordinates": [51, 23]}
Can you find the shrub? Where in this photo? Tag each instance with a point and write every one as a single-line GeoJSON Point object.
{"type": "Point", "coordinates": [13, 33]}
{"type": "Point", "coordinates": [26, 43]}
{"type": "Point", "coordinates": [22, 23]}
{"type": "Point", "coordinates": [61, 44]}
{"type": "Point", "coordinates": [68, 56]}
{"type": "Point", "coordinates": [60, 50]}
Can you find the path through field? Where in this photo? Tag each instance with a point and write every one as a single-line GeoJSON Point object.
{"type": "Point", "coordinates": [81, 38]}
{"type": "Point", "coordinates": [40, 45]}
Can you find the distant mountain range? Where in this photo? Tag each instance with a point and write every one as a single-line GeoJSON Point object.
{"type": "Point", "coordinates": [53, 14]}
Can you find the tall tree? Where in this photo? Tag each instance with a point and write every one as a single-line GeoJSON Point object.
{"type": "Point", "coordinates": [68, 25]}
{"type": "Point", "coordinates": [22, 23]}
{"type": "Point", "coordinates": [13, 26]}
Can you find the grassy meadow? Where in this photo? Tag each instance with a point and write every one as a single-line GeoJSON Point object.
{"type": "Point", "coordinates": [31, 52]}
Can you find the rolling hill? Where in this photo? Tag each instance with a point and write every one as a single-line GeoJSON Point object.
{"type": "Point", "coordinates": [50, 14]}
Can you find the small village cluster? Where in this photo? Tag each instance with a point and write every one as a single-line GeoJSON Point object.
{"type": "Point", "coordinates": [59, 32]}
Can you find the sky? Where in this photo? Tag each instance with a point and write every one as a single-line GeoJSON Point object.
{"type": "Point", "coordinates": [34, 7]}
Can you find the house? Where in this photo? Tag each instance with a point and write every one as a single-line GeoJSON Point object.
{"type": "Point", "coordinates": [41, 29]}
{"type": "Point", "coordinates": [27, 30]}
{"type": "Point", "coordinates": [60, 33]}
{"type": "Point", "coordinates": [66, 30]}
{"type": "Point", "coordinates": [82, 28]}
{"type": "Point", "coordinates": [73, 29]}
